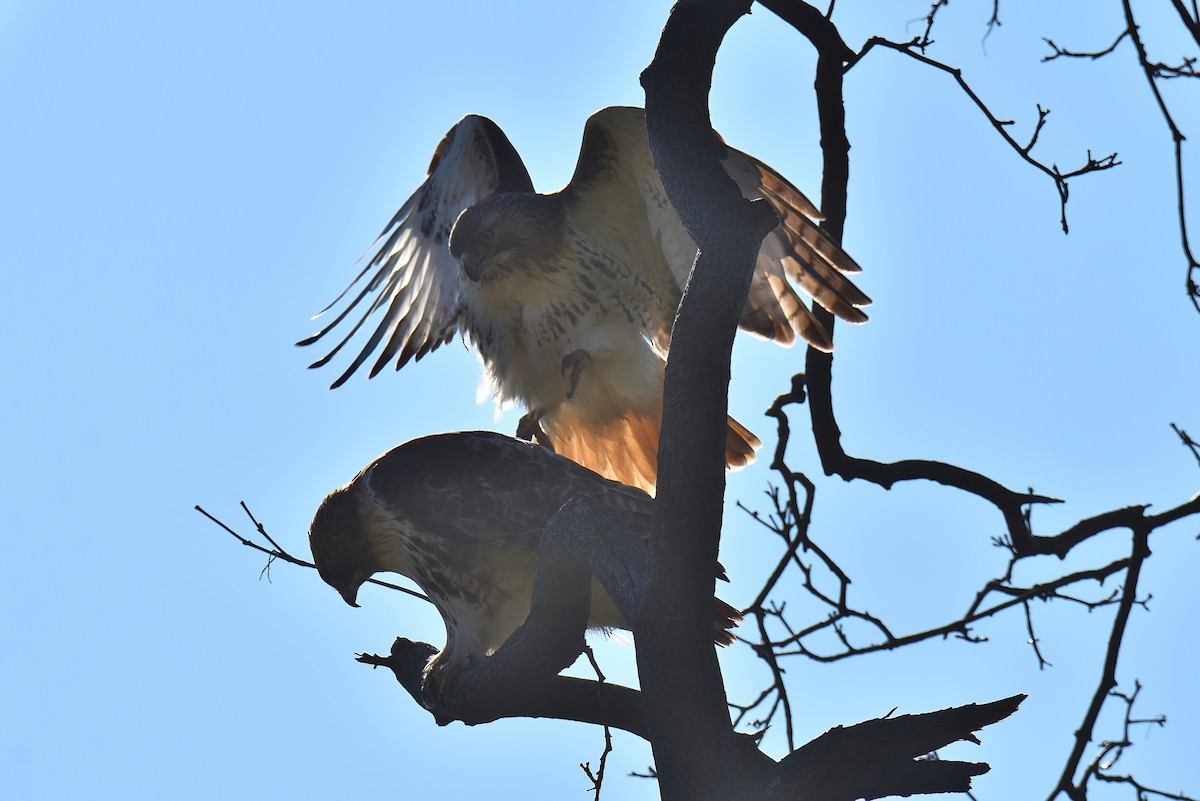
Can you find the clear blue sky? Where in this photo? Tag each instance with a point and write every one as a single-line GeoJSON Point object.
{"type": "Point", "coordinates": [182, 185]}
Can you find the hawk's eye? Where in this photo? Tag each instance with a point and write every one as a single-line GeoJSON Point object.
{"type": "Point", "coordinates": [487, 236]}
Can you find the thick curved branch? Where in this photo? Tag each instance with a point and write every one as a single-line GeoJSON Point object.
{"type": "Point", "coordinates": [835, 147]}
{"type": "Point", "coordinates": [812, 24]}
{"type": "Point", "coordinates": [694, 754]}
{"type": "Point", "coordinates": [562, 698]}
{"type": "Point", "coordinates": [695, 749]}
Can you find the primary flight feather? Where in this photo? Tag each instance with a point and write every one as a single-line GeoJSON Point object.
{"type": "Point", "coordinates": [569, 297]}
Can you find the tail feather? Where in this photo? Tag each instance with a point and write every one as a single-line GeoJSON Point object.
{"type": "Point", "coordinates": [799, 250]}
{"type": "Point", "coordinates": [626, 449]}
{"type": "Point", "coordinates": [740, 445]}
{"type": "Point", "coordinates": [725, 617]}
{"type": "Point", "coordinates": [604, 616]}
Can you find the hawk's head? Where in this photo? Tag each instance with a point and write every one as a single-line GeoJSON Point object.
{"type": "Point", "coordinates": [340, 546]}
{"type": "Point", "coordinates": [506, 231]}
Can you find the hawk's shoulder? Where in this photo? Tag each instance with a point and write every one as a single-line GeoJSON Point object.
{"type": "Point", "coordinates": [487, 486]}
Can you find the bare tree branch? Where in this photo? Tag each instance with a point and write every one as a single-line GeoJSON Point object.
{"type": "Point", "coordinates": [597, 777]}
{"type": "Point", "coordinates": [1190, 19]}
{"type": "Point", "coordinates": [1061, 52]}
{"type": "Point", "coordinates": [1155, 71]}
{"type": "Point", "coordinates": [1111, 751]}
{"type": "Point", "coordinates": [883, 757]}
{"type": "Point", "coordinates": [277, 551]}
{"type": "Point", "coordinates": [692, 737]}
{"type": "Point", "coordinates": [1061, 179]}
{"type": "Point", "coordinates": [562, 698]}
{"type": "Point", "coordinates": [1188, 442]}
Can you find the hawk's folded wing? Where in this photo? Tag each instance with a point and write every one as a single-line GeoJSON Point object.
{"type": "Point", "coordinates": [486, 487]}
{"type": "Point", "coordinates": [410, 278]}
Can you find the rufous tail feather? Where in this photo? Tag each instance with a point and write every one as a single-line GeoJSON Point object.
{"type": "Point", "coordinates": [625, 449]}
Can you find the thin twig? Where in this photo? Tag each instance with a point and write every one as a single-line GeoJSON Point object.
{"type": "Point", "coordinates": [278, 552]}
{"type": "Point", "coordinates": [597, 778]}
{"type": "Point", "coordinates": [1187, 441]}
{"type": "Point", "coordinates": [1062, 52]}
{"type": "Point", "coordinates": [1155, 71]}
{"type": "Point", "coordinates": [1061, 179]}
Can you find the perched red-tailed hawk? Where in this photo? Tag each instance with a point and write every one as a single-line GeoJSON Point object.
{"type": "Point", "coordinates": [570, 297]}
{"type": "Point", "coordinates": [461, 515]}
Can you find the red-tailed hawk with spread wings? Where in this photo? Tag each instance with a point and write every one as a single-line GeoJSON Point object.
{"type": "Point", "coordinates": [461, 515]}
{"type": "Point", "coordinates": [570, 297]}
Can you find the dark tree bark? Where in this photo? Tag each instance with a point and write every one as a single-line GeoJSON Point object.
{"type": "Point", "coordinates": [695, 750]}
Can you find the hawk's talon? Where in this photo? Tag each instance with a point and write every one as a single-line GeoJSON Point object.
{"type": "Point", "coordinates": [529, 428]}
{"type": "Point", "coordinates": [431, 691]}
{"type": "Point", "coordinates": [575, 362]}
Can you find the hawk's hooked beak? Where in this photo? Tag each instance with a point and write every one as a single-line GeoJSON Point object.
{"type": "Point", "coordinates": [458, 250]}
{"type": "Point", "coordinates": [470, 267]}
{"type": "Point", "coordinates": [350, 594]}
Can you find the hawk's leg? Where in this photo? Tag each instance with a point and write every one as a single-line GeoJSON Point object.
{"type": "Point", "coordinates": [438, 676]}
{"type": "Point", "coordinates": [575, 362]}
{"type": "Point", "coordinates": [529, 428]}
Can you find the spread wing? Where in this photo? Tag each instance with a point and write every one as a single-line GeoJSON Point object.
{"type": "Point", "coordinates": [411, 289]}
{"type": "Point", "coordinates": [615, 160]}
{"type": "Point", "coordinates": [616, 196]}
{"type": "Point", "coordinates": [483, 486]}
{"type": "Point", "coordinates": [797, 250]}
